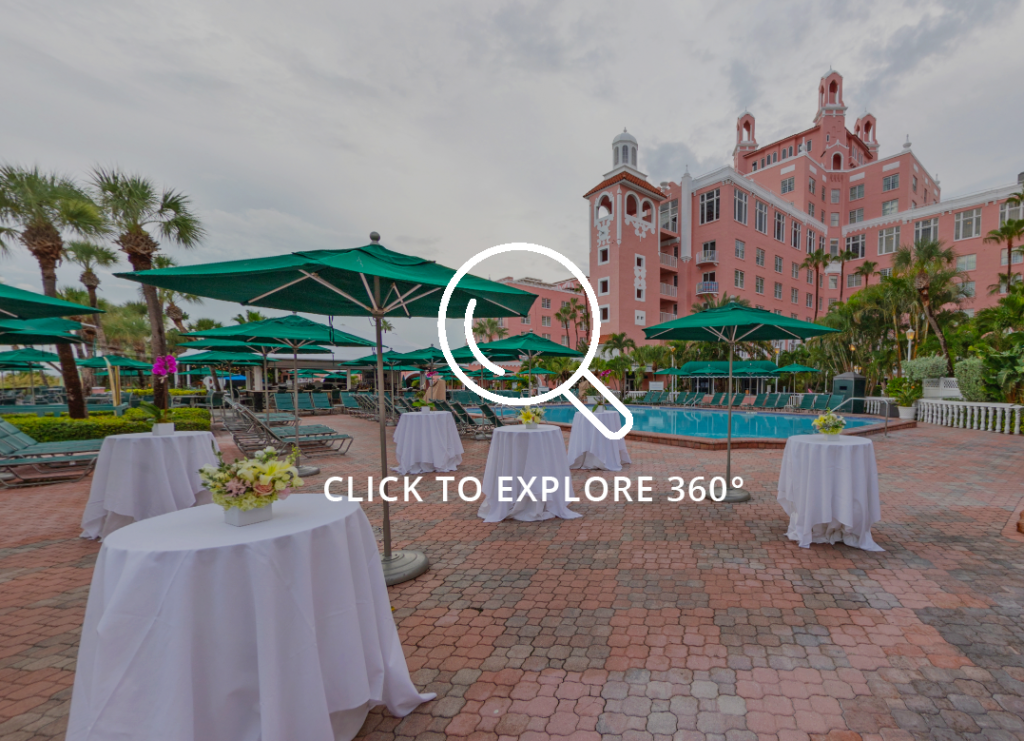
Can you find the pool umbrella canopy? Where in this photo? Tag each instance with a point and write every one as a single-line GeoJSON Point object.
{"type": "Point", "coordinates": [226, 345]}
{"type": "Point", "coordinates": [363, 281]}
{"type": "Point", "coordinates": [531, 346]}
{"type": "Point", "coordinates": [28, 355]}
{"type": "Point", "coordinates": [32, 337]}
{"type": "Point", "coordinates": [220, 358]}
{"type": "Point", "coordinates": [797, 368]}
{"type": "Point", "coordinates": [734, 323]}
{"type": "Point", "coordinates": [16, 303]}
{"type": "Point", "coordinates": [117, 361]}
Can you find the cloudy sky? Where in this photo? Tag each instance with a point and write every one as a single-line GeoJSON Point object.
{"type": "Point", "coordinates": [451, 127]}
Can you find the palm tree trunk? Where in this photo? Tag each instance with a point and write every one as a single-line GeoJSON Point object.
{"type": "Point", "coordinates": [926, 305]}
{"type": "Point", "coordinates": [1009, 264]}
{"type": "Point", "coordinates": [68, 369]}
{"type": "Point", "coordinates": [842, 267]}
{"type": "Point", "coordinates": [817, 284]}
{"type": "Point", "coordinates": [158, 341]}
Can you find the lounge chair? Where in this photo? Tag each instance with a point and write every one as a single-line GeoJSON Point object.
{"type": "Point", "coordinates": [306, 403]}
{"type": "Point", "coordinates": [759, 401]}
{"type": "Point", "coordinates": [491, 417]}
{"type": "Point", "coordinates": [737, 399]}
{"type": "Point", "coordinates": [469, 424]}
{"type": "Point", "coordinates": [349, 405]}
{"type": "Point", "coordinates": [648, 398]}
{"type": "Point", "coordinates": [716, 400]}
{"type": "Point", "coordinates": [782, 401]}
{"type": "Point", "coordinates": [322, 402]}
{"type": "Point", "coordinates": [313, 440]}
{"type": "Point", "coordinates": [32, 463]}
{"type": "Point", "coordinates": [806, 403]}
{"type": "Point", "coordinates": [769, 402]}
{"type": "Point", "coordinates": [821, 402]}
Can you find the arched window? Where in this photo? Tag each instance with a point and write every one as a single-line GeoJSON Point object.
{"type": "Point", "coordinates": [634, 156]}
{"type": "Point", "coordinates": [616, 156]}
{"type": "Point", "coordinates": [867, 131]}
{"type": "Point", "coordinates": [604, 206]}
{"type": "Point", "coordinates": [625, 154]}
{"type": "Point", "coordinates": [833, 90]}
{"type": "Point", "coordinates": [631, 205]}
{"type": "Point", "coordinates": [648, 212]}
{"type": "Point", "coordinates": [746, 131]}
{"type": "Point", "coordinates": [821, 96]}
{"type": "Point", "coordinates": [837, 161]}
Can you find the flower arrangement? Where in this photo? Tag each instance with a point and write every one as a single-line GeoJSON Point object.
{"type": "Point", "coordinates": [158, 415]}
{"type": "Point", "coordinates": [421, 399]}
{"type": "Point", "coordinates": [165, 365]}
{"type": "Point", "coordinates": [531, 415]}
{"type": "Point", "coordinates": [829, 423]}
{"type": "Point", "coordinates": [250, 483]}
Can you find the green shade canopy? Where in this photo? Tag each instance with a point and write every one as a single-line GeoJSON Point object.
{"type": "Point", "coordinates": [16, 303]}
{"type": "Point", "coordinates": [117, 361]}
{"type": "Point", "coordinates": [28, 355]}
{"type": "Point", "coordinates": [537, 372]}
{"type": "Point", "coordinates": [720, 368]}
{"type": "Point", "coordinates": [291, 330]}
{"type": "Point", "coordinates": [226, 345]}
{"type": "Point", "coordinates": [428, 356]}
{"type": "Point", "coordinates": [530, 345]}
{"type": "Point", "coordinates": [797, 368]}
{"type": "Point", "coordinates": [7, 366]}
{"type": "Point", "coordinates": [30, 337]}
{"type": "Point", "coordinates": [53, 324]}
{"type": "Point", "coordinates": [127, 370]}
{"type": "Point", "coordinates": [220, 358]}
{"type": "Point", "coordinates": [370, 361]}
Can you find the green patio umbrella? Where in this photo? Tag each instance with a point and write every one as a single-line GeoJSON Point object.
{"type": "Point", "coordinates": [117, 361]}
{"type": "Point", "coordinates": [212, 357]}
{"type": "Point", "coordinates": [530, 346]}
{"type": "Point", "coordinates": [33, 336]}
{"type": "Point", "coordinates": [224, 344]}
{"type": "Point", "coordinates": [370, 281]}
{"type": "Point", "coordinates": [732, 324]}
{"type": "Point", "coordinates": [28, 355]}
{"type": "Point", "coordinates": [797, 368]}
{"type": "Point", "coordinates": [19, 367]}
{"type": "Point", "coordinates": [16, 303]}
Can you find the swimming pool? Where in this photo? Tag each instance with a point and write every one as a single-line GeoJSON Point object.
{"type": "Point", "coordinates": [706, 422]}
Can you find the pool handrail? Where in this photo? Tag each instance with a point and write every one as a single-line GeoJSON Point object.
{"type": "Point", "coordinates": [888, 405]}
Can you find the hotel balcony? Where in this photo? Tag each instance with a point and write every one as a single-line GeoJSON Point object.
{"type": "Point", "coordinates": [709, 256]}
{"type": "Point", "coordinates": [670, 261]}
{"type": "Point", "coordinates": [668, 317]}
{"type": "Point", "coordinates": [667, 289]}
{"type": "Point", "coordinates": [707, 286]}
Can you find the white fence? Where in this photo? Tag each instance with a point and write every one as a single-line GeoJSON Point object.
{"type": "Point", "coordinates": [941, 388]}
{"type": "Point", "coordinates": [970, 415]}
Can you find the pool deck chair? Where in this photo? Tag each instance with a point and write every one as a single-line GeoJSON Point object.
{"type": "Point", "coordinates": [769, 403]}
{"type": "Point", "coordinates": [783, 401]}
{"type": "Point", "coordinates": [32, 463]}
{"type": "Point", "coordinates": [806, 403]}
{"type": "Point", "coordinates": [759, 401]}
{"type": "Point", "coordinates": [490, 416]}
{"type": "Point", "coordinates": [322, 402]}
{"type": "Point", "coordinates": [821, 402]}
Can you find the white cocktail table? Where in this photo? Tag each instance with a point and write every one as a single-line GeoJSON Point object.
{"type": "Point", "coordinates": [426, 442]}
{"type": "Point", "coordinates": [589, 448]}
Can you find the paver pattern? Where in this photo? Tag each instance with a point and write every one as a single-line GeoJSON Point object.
{"type": "Point", "coordinates": [642, 621]}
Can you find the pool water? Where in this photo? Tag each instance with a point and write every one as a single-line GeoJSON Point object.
{"type": "Point", "coordinates": [705, 422]}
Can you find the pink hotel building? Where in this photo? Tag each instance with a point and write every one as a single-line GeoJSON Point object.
{"type": "Point", "coordinates": [745, 229]}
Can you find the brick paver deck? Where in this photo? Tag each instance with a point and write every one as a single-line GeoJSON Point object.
{"type": "Point", "coordinates": [643, 621]}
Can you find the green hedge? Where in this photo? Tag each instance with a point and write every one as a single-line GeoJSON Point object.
{"type": "Point", "coordinates": [58, 429]}
{"type": "Point", "coordinates": [172, 392]}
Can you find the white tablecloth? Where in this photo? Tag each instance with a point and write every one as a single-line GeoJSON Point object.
{"type": "Point", "coordinates": [828, 486]}
{"type": "Point", "coordinates": [426, 442]}
{"type": "Point", "coordinates": [519, 452]}
{"type": "Point", "coordinates": [142, 475]}
{"type": "Point", "coordinates": [196, 630]}
{"type": "Point", "coordinates": [588, 448]}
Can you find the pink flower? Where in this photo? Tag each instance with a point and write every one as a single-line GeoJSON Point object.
{"type": "Point", "coordinates": [263, 489]}
{"type": "Point", "coordinates": [236, 487]}
{"type": "Point", "coordinates": [283, 494]}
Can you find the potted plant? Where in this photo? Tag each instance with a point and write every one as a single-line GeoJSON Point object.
{"type": "Point", "coordinates": [906, 393]}
{"type": "Point", "coordinates": [162, 424]}
{"type": "Point", "coordinates": [421, 403]}
{"type": "Point", "coordinates": [829, 423]}
{"type": "Point", "coordinates": [530, 416]}
{"type": "Point", "coordinates": [248, 488]}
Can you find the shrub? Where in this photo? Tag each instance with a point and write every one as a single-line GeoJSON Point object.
{"type": "Point", "coordinates": [919, 369]}
{"type": "Point", "coordinates": [172, 392]}
{"type": "Point", "coordinates": [970, 374]}
{"type": "Point", "coordinates": [905, 391]}
{"type": "Point", "coordinates": [58, 429]}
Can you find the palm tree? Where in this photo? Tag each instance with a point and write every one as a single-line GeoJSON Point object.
{"type": "Point", "coordinates": [717, 302]}
{"type": "Point", "coordinates": [842, 258]}
{"type": "Point", "coordinates": [816, 261]}
{"type": "Point", "coordinates": [169, 299]}
{"type": "Point", "coordinates": [580, 314]}
{"type": "Point", "coordinates": [88, 255]}
{"type": "Point", "coordinates": [931, 269]}
{"type": "Point", "coordinates": [135, 206]}
{"type": "Point", "coordinates": [36, 207]}
{"type": "Point", "coordinates": [866, 270]}
{"type": "Point", "coordinates": [618, 342]}
{"type": "Point", "coordinates": [564, 316]}
{"type": "Point", "coordinates": [248, 317]}
{"type": "Point", "coordinates": [1010, 232]}
{"type": "Point", "coordinates": [656, 356]}
{"type": "Point", "coordinates": [489, 329]}
{"type": "Point", "coordinates": [202, 324]}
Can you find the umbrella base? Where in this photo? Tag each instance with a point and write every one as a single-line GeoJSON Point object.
{"type": "Point", "coordinates": [307, 471]}
{"type": "Point", "coordinates": [736, 495]}
{"type": "Point", "coordinates": [404, 566]}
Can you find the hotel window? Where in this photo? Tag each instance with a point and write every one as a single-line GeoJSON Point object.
{"type": "Point", "coordinates": [967, 224]}
{"type": "Point", "coordinates": [890, 207]}
{"type": "Point", "coordinates": [564, 304]}
{"type": "Point", "coordinates": [821, 243]}
{"type": "Point", "coordinates": [885, 273]}
{"type": "Point", "coordinates": [807, 146]}
{"type": "Point", "coordinates": [670, 216]}
{"type": "Point", "coordinates": [857, 215]}
{"type": "Point", "coordinates": [833, 219]}
{"type": "Point", "coordinates": [788, 185]}
{"type": "Point", "coordinates": [794, 295]}
{"type": "Point", "coordinates": [970, 262]}
{"type": "Point", "coordinates": [709, 206]}
{"type": "Point", "coordinates": [833, 281]}
{"type": "Point", "coordinates": [739, 206]}
{"type": "Point", "coordinates": [640, 294]}
{"type": "Point", "coordinates": [762, 163]}
{"type": "Point", "coordinates": [913, 182]}
{"type": "Point", "coordinates": [754, 167]}
{"type": "Point", "coordinates": [761, 217]}
{"type": "Point", "coordinates": [853, 280]}
{"type": "Point", "coordinates": [565, 340]}
{"type": "Point", "coordinates": [605, 313]}
{"type": "Point", "coordinates": [833, 247]}
{"type": "Point", "coordinates": [795, 271]}
{"type": "Point", "coordinates": [835, 195]}
{"type": "Point", "coordinates": [793, 315]}
{"type": "Point", "coordinates": [811, 185]}
{"type": "Point", "coordinates": [888, 240]}
{"type": "Point", "coordinates": [545, 321]}
{"type": "Point", "coordinates": [603, 286]}
{"type": "Point", "coordinates": [856, 192]}
{"type": "Point", "coordinates": [759, 257]}
{"type": "Point", "coordinates": [602, 256]}
{"type": "Point", "coordinates": [1008, 211]}
{"type": "Point", "coordinates": [780, 226]}
{"type": "Point", "coordinates": [545, 303]}
{"type": "Point", "coordinates": [759, 284]}
{"type": "Point", "coordinates": [810, 301]}
{"type": "Point", "coordinates": [1017, 258]}
{"type": "Point", "coordinates": [778, 264]}
{"type": "Point", "coordinates": [810, 241]}
{"type": "Point", "coordinates": [526, 319]}
{"type": "Point", "coordinates": [890, 182]}
{"type": "Point", "coordinates": [741, 250]}
{"type": "Point", "coordinates": [969, 288]}
{"type": "Point", "coordinates": [926, 195]}
{"type": "Point", "coordinates": [832, 301]}
{"type": "Point", "coordinates": [855, 245]}
{"type": "Point", "coordinates": [546, 335]}
{"type": "Point", "coordinates": [926, 230]}
{"type": "Point", "coordinates": [775, 157]}
{"type": "Point", "coordinates": [795, 237]}
{"type": "Point", "coordinates": [810, 275]}
{"type": "Point", "coordinates": [778, 290]}
{"type": "Point", "coordinates": [810, 210]}
{"type": "Point", "coordinates": [737, 278]}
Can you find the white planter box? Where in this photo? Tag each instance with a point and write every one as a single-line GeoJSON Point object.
{"type": "Point", "coordinates": [164, 428]}
{"type": "Point", "coordinates": [238, 518]}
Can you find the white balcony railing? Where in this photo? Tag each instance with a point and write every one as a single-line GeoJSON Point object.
{"type": "Point", "coordinates": [668, 317]}
{"type": "Point", "coordinates": [667, 289]}
{"type": "Point", "coordinates": [668, 260]}
{"type": "Point", "coordinates": [707, 286]}
{"type": "Point", "coordinates": [708, 256]}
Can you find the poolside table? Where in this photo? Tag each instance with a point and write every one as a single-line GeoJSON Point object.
{"type": "Point", "coordinates": [427, 442]}
{"type": "Point", "coordinates": [828, 486]}
{"type": "Point", "coordinates": [196, 630]}
{"type": "Point", "coordinates": [142, 475]}
{"type": "Point", "coordinates": [589, 448]}
{"type": "Point", "coordinates": [517, 451]}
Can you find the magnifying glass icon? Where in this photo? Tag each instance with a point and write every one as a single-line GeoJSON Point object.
{"type": "Point", "coordinates": [562, 389]}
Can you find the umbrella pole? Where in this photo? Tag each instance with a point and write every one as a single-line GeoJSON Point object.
{"type": "Point", "coordinates": [303, 470]}
{"type": "Point", "coordinates": [731, 494]}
